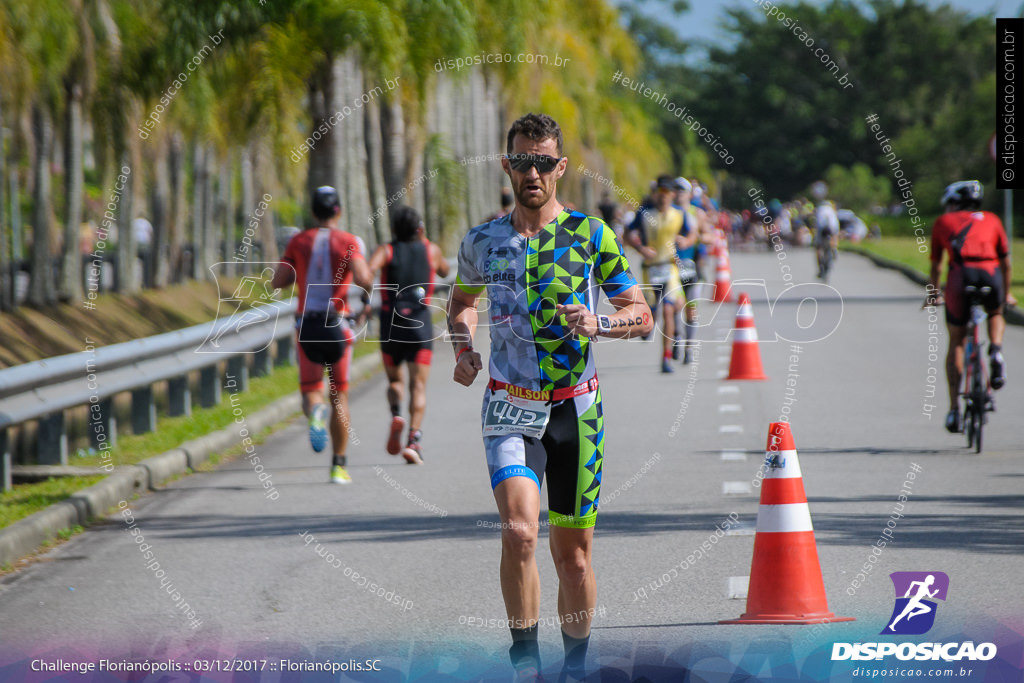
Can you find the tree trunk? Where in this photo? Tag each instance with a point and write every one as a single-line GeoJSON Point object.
{"type": "Point", "coordinates": [248, 207]}
{"type": "Point", "coordinates": [198, 232]}
{"type": "Point", "coordinates": [6, 282]}
{"type": "Point", "coordinates": [322, 169]}
{"type": "Point", "coordinates": [351, 146]}
{"type": "Point", "coordinates": [41, 290]}
{"type": "Point", "coordinates": [226, 217]}
{"type": "Point", "coordinates": [178, 208]}
{"type": "Point", "coordinates": [211, 242]}
{"type": "Point", "coordinates": [159, 208]}
{"type": "Point", "coordinates": [127, 248]}
{"type": "Point", "coordinates": [17, 228]}
{"type": "Point", "coordinates": [375, 174]}
{"type": "Point", "coordinates": [74, 184]}
{"type": "Point", "coordinates": [392, 128]}
{"type": "Point", "coordinates": [266, 222]}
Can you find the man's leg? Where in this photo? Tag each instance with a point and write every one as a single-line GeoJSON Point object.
{"type": "Point", "coordinates": [955, 367]}
{"type": "Point", "coordinates": [668, 339]}
{"type": "Point", "coordinates": [337, 376]}
{"type": "Point", "coordinates": [395, 386]}
{"type": "Point", "coordinates": [339, 423]}
{"type": "Point", "coordinates": [997, 366]}
{"type": "Point", "coordinates": [690, 309]}
{"type": "Point", "coordinates": [418, 374]}
{"type": "Point", "coordinates": [311, 383]}
{"type": "Point", "coordinates": [518, 500]}
{"type": "Point", "coordinates": [310, 399]}
{"type": "Point", "coordinates": [996, 327]}
{"type": "Point", "coordinates": [577, 591]}
{"type": "Point", "coordinates": [393, 369]}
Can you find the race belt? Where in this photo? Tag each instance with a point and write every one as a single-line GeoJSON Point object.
{"type": "Point", "coordinates": [539, 395]}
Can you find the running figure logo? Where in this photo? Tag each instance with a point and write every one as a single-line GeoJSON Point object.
{"type": "Point", "coordinates": [914, 613]}
{"type": "Point", "coordinates": [233, 311]}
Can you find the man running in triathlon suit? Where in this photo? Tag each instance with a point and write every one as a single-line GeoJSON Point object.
{"type": "Point", "coordinates": [323, 261]}
{"type": "Point", "coordinates": [978, 255]}
{"type": "Point", "coordinates": [826, 235]}
{"type": "Point", "coordinates": [407, 268]}
{"type": "Point", "coordinates": [662, 225]}
{"type": "Point", "coordinates": [687, 251]}
{"type": "Point", "coordinates": [542, 267]}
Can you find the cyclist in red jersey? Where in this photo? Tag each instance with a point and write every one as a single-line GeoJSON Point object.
{"type": "Point", "coordinates": [978, 255]}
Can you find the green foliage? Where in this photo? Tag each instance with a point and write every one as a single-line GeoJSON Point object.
{"type": "Point", "coordinates": [24, 500]}
{"type": "Point", "coordinates": [857, 188]}
{"type": "Point", "coordinates": [445, 217]}
{"type": "Point", "coordinates": [662, 69]}
{"type": "Point", "coordinates": [922, 70]}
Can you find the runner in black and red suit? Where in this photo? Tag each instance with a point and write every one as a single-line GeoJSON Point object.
{"type": "Point", "coordinates": [407, 268]}
{"type": "Point", "coordinates": [978, 255]}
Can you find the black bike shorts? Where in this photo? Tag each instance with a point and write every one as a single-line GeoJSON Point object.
{"type": "Point", "coordinates": [957, 307]}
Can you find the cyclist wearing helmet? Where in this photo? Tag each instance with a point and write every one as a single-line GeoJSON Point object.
{"type": "Point", "coordinates": [826, 236]}
{"type": "Point", "coordinates": [979, 256]}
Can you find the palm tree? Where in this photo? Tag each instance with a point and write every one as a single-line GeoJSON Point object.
{"type": "Point", "coordinates": [46, 36]}
{"type": "Point", "coordinates": [79, 84]}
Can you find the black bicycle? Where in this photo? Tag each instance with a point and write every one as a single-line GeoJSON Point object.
{"type": "Point", "coordinates": [828, 257]}
{"type": "Point", "coordinates": [976, 389]}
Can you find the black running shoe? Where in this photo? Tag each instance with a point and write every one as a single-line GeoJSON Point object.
{"type": "Point", "coordinates": [953, 421]}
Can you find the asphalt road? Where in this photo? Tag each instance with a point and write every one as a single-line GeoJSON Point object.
{"type": "Point", "coordinates": [682, 456]}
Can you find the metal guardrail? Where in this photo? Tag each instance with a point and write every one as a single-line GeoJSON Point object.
{"type": "Point", "coordinates": [44, 389]}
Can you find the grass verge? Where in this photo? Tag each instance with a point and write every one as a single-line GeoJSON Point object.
{"type": "Point", "coordinates": [905, 250]}
{"type": "Point", "coordinates": [26, 499]}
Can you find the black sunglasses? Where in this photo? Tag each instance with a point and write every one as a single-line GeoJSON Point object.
{"type": "Point", "coordinates": [523, 162]}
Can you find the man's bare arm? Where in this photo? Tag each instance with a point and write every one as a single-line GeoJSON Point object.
{"type": "Point", "coordinates": [632, 317]}
{"type": "Point", "coordinates": [462, 321]}
{"type": "Point", "coordinates": [284, 275]}
{"type": "Point", "coordinates": [440, 262]}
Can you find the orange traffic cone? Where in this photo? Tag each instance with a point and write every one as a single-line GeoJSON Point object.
{"type": "Point", "coordinates": [723, 276]}
{"type": "Point", "coordinates": [716, 247]}
{"type": "Point", "coordinates": [786, 586]}
{"type": "Point", "coordinates": [746, 354]}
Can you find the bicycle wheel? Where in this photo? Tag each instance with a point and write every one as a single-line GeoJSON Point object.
{"type": "Point", "coordinates": [826, 264]}
{"type": "Point", "coordinates": [968, 423]}
{"type": "Point", "coordinates": [979, 411]}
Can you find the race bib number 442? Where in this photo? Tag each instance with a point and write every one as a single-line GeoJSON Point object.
{"type": "Point", "coordinates": [513, 415]}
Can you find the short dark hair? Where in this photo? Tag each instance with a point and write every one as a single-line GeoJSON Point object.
{"type": "Point", "coordinates": [326, 202]}
{"type": "Point", "coordinates": [666, 181]}
{"type": "Point", "coordinates": [404, 222]}
{"type": "Point", "coordinates": [535, 127]}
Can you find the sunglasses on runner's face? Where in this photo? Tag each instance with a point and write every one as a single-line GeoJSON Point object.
{"type": "Point", "coordinates": [523, 162]}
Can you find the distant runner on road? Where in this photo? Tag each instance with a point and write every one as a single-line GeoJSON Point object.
{"type": "Point", "coordinates": [407, 268]}
{"type": "Point", "coordinates": [656, 233]}
{"type": "Point", "coordinates": [542, 267]}
{"type": "Point", "coordinates": [323, 261]}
